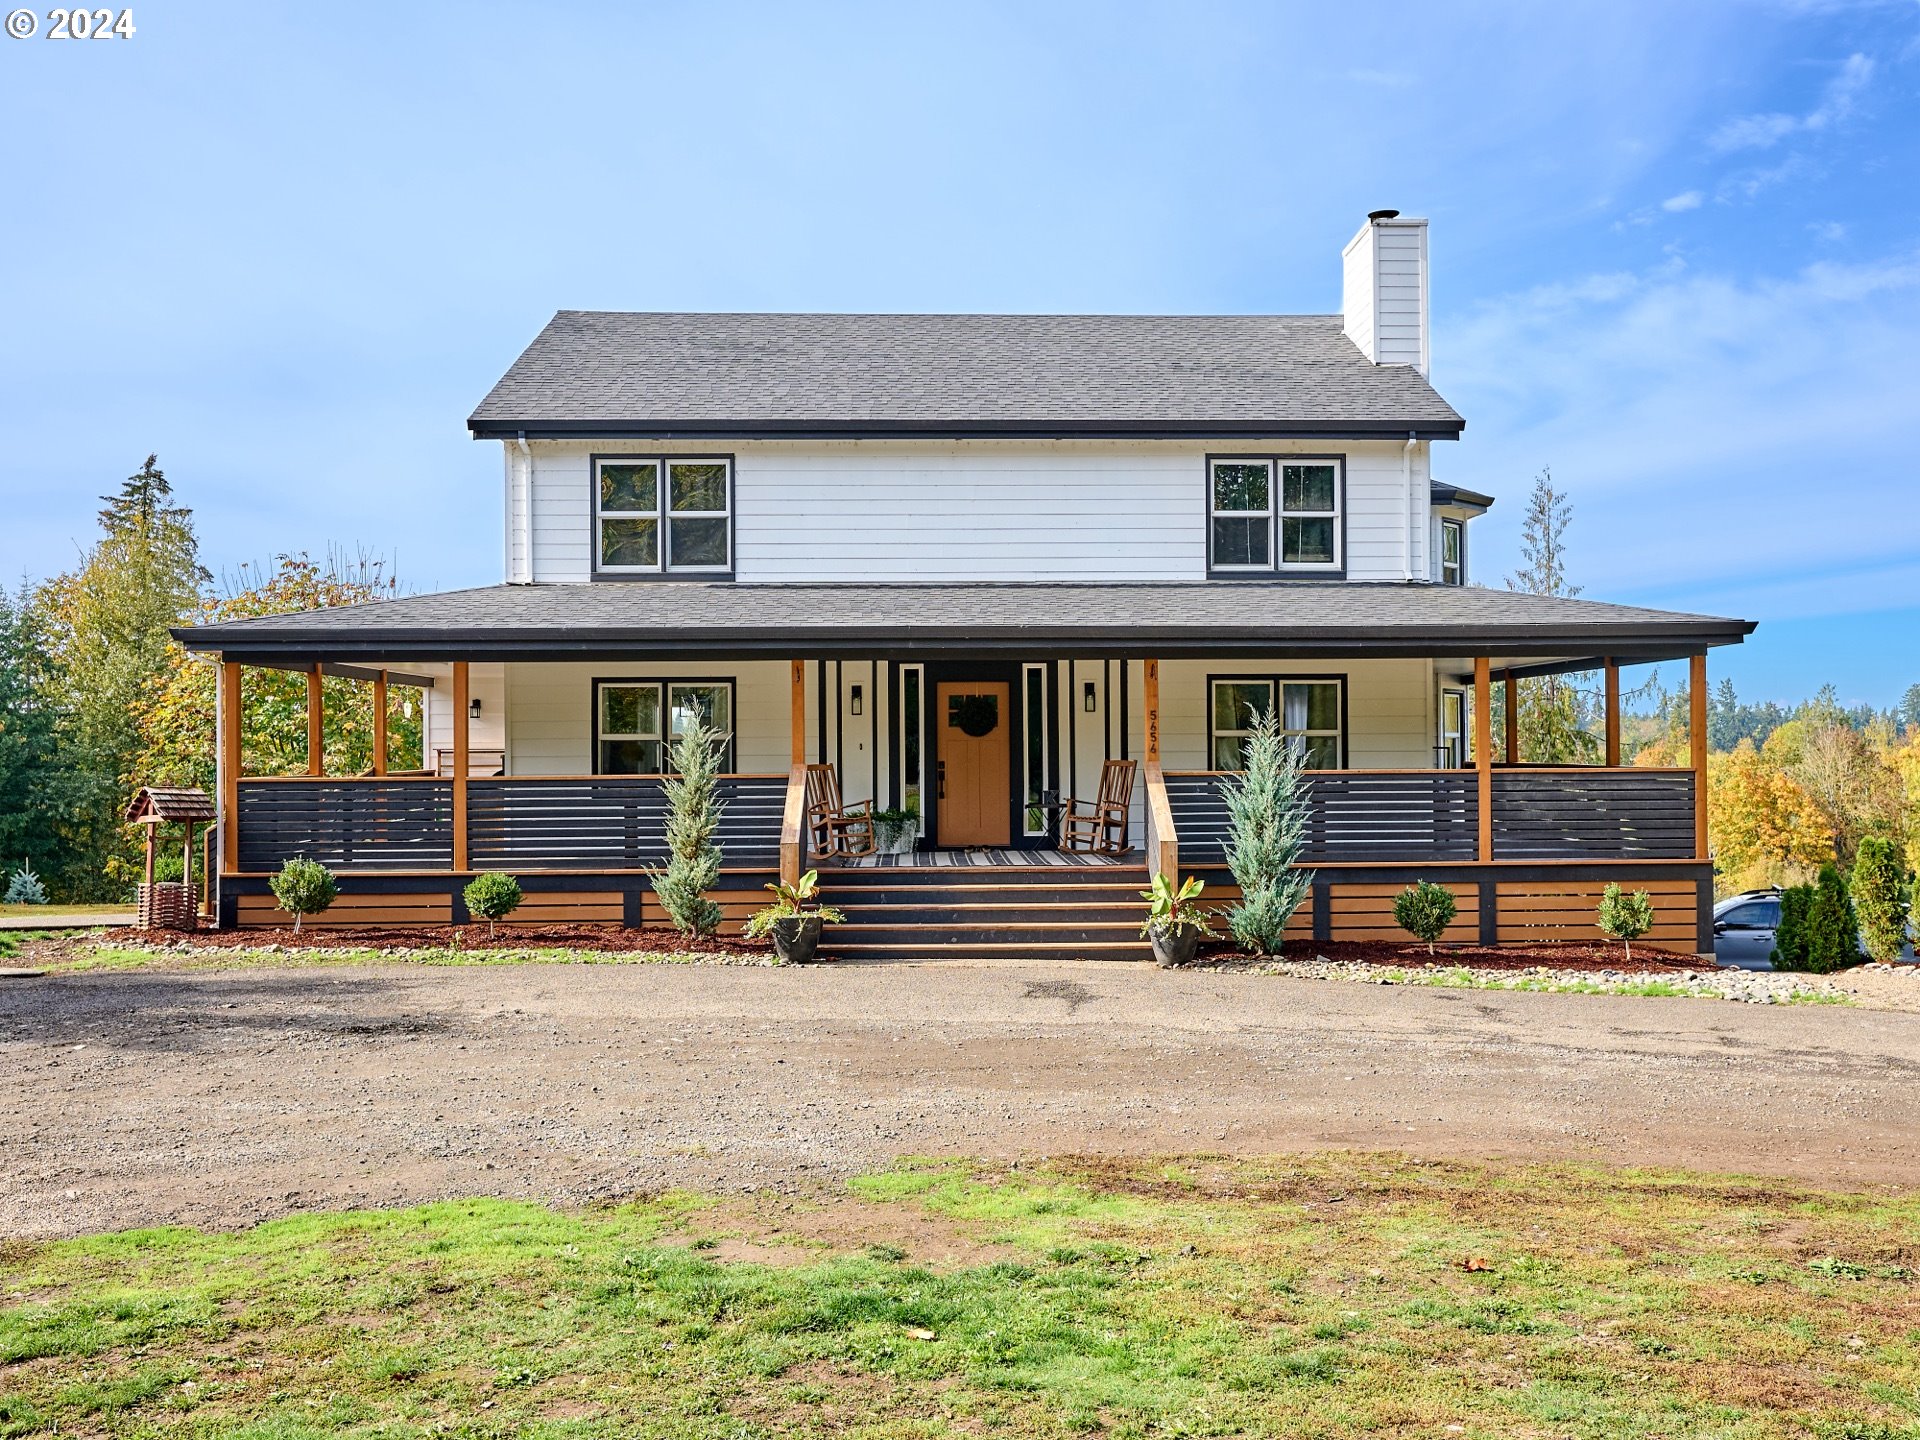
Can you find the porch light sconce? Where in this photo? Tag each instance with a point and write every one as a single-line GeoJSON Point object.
{"type": "Point", "coordinates": [473, 708]}
{"type": "Point", "coordinates": [1089, 704]}
{"type": "Point", "coordinates": [859, 701]}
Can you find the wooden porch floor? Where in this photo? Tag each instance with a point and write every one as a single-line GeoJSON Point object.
{"type": "Point", "coordinates": [985, 859]}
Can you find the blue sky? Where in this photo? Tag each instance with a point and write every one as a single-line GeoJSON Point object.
{"type": "Point", "coordinates": [1676, 249]}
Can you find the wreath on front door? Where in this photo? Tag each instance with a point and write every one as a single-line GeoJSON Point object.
{"type": "Point", "coordinates": [974, 715]}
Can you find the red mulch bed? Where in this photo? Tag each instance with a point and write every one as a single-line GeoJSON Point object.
{"type": "Point", "coordinates": [1571, 955]}
{"type": "Point", "coordinates": [612, 939]}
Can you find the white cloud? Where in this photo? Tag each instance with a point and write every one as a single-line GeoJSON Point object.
{"type": "Point", "coordinates": [1761, 132]}
{"type": "Point", "coordinates": [1746, 438]}
{"type": "Point", "coordinates": [1831, 231]}
{"type": "Point", "coordinates": [1685, 200]}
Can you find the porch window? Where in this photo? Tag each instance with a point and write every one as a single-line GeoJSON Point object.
{"type": "Point", "coordinates": [635, 719]}
{"type": "Point", "coordinates": [1311, 716]}
{"type": "Point", "coordinates": [912, 682]}
{"type": "Point", "coordinates": [663, 515]}
{"type": "Point", "coordinates": [1453, 550]}
{"type": "Point", "coordinates": [1273, 515]}
{"type": "Point", "coordinates": [1033, 712]}
{"type": "Point", "coordinates": [1452, 753]}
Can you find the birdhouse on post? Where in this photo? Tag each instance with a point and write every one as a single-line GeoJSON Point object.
{"type": "Point", "coordinates": [167, 904]}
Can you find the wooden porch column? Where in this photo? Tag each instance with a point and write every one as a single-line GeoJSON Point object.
{"type": "Point", "coordinates": [1151, 700]}
{"type": "Point", "coordinates": [1613, 712]}
{"type": "Point", "coordinates": [1483, 750]}
{"type": "Point", "coordinates": [1512, 726]}
{"type": "Point", "coordinates": [316, 715]}
{"type": "Point", "coordinates": [799, 721]}
{"type": "Point", "coordinates": [380, 723]}
{"type": "Point", "coordinates": [460, 765]}
{"type": "Point", "coordinates": [229, 765]}
{"type": "Point", "coordinates": [1697, 735]}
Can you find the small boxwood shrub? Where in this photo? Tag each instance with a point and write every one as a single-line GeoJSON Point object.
{"type": "Point", "coordinates": [1425, 910]}
{"type": "Point", "coordinates": [303, 887]}
{"type": "Point", "coordinates": [492, 897]}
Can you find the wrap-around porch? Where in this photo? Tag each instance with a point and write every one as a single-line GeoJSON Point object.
{"type": "Point", "coordinates": [1525, 848]}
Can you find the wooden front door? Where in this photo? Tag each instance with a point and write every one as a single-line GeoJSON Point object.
{"type": "Point", "coordinates": [974, 722]}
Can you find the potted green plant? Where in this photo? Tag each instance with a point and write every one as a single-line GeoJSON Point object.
{"type": "Point", "coordinates": [1176, 922]}
{"type": "Point", "coordinates": [794, 920]}
{"type": "Point", "coordinates": [895, 831]}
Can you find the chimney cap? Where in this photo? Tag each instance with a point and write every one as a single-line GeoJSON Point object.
{"type": "Point", "coordinates": [1383, 214]}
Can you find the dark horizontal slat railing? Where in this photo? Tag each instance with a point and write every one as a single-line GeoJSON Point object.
{"type": "Point", "coordinates": [611, 822]}
{"type": "Point", "coordinates": [347, 824]}
{"type": "Point", "coordinates": [1355, 816]}
{"type": "Point", "coordinates": [1596, 814]}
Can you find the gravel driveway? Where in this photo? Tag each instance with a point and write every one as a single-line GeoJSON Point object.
{"type": "Point", "coordinates": [227, 1097]}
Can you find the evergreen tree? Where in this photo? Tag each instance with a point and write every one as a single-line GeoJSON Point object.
{"type": "Point", "coordinates": [693, 817]}
{"type": "Point", "coordinates": [1878, 888]}
{"type": "Point", "coordinates": [1833, 930]}
{"type": "Point", "coordinates": [1556, 711]}
{"type": "Point", "coordinates": [37, 787]}
{"type": "Point", "coordinates": [107, 625]}
{"type": "Point", "coordinates": [1791, 937]}
{"type": "Point", "coordinates": [1266, 833]}
{"type": "Point", "coordinates": [1908, 710]}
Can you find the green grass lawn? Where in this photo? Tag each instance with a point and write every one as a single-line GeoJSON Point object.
{"type": "Point", "coordinates": [32, 910]}
{"type": "Point", "coordinates": [1339, 1296]}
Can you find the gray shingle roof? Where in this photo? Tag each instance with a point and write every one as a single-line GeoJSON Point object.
{"type": "Point", "coordinates": [620, 372]}
{"type": "Point", "coordinates": [721, 620]}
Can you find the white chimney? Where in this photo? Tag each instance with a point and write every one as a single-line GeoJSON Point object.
{"type": "Point", "coordinates": [1384, 290]}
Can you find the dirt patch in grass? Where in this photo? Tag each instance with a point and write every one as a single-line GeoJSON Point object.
{"type": "Point", "coordinates": [788, 1232]}
{"type": "Point", "coordinates": [607, 939]}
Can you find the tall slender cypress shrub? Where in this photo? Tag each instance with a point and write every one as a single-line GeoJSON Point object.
{"type": "Point", "coordinates": [1878, 888]}
{"type": "Point", "coordinates": [693, 817]}
{"type": "Point", "coordinates": [1790, 939]}
{"type": "Point", "coordinates": [1266, 833]}
{"type": "Point", "coordinates": [1833, 930]}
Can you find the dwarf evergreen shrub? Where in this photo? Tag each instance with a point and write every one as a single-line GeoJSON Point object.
{"type": "Point", "coordinates": [1425, 910]}
{"type": "Point", "coordinates": [1266, 831]}
{"type": "Point", "coordinates": [693, 816]}
{"type": "Point", "coordinates": [303, 887]}
{"type": "Point", "coordinates": [1790, 939]}
{"type": "Point", "coordinates": [25, 887]}
{"type": "Point", "coordinates": [492, 897]}
{"type": "Point", "coordinates": [1625, 916]}
{"type": "Point", "coordinates": [1833, 930]}
{"type": "Point", "coordinates": [1878, 888]}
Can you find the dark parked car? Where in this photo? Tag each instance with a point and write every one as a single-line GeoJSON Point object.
{"type": "Point", "coordinates": [1743, 929]}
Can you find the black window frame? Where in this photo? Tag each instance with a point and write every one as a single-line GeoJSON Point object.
{"type": "Point", "coordinates": [1340, 678]}
{"type": "Point", "coordinates": [1276, 568]}
{"type": "Point", "coordinates": [729, 761]}
{"type": "Point", "coordinates": [663, 512]}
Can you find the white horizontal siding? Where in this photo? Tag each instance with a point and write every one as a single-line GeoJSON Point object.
{"type": "Point", "coordinates": [551, 711]}
{"type": "Point", "coordinates": [1390, 709]}
{"type": "Point", "coordinates": [974, 511]}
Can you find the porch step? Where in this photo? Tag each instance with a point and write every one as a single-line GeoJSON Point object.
{"type": "Point", "coordinates": [1002, 912]}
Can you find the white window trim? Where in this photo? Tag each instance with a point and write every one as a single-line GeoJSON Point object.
{"type": "Point", "coordinates": [601, 737]}
{"type": "Point", "coordinates": [1276, 515]}
{"type": "Point", "coordinates": [1215, 513]}
{"type": "Point", "coordinates": [1281, 515]}
{"type": "Point", "coordinates": [663, 514]}
{"type": "Point", "coordinates": [1459, 527]}
{"type": "Point", "coordinates": [668, 514]}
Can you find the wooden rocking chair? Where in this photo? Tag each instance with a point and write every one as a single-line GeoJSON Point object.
{"type": "Point", "coordinates": [1099, 827]}
{"type": "Point", "coordinates": [835, 829]}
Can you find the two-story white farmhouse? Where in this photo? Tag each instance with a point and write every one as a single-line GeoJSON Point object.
{"type": "Point", "coordinates": [971, 566]}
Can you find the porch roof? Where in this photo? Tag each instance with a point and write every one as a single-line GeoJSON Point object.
{"type": "Point", "coordinates": [1277, 619]}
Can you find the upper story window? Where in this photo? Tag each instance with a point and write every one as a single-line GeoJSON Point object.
{"type": "Point", "coordinates": [1453, 552]}
{"type": "Point", "coordinates": [1275, 515]}
{"type": "Point", "coordinates": [663, 515]}
{"type": "Point", "coordinates": [1312, 717]}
